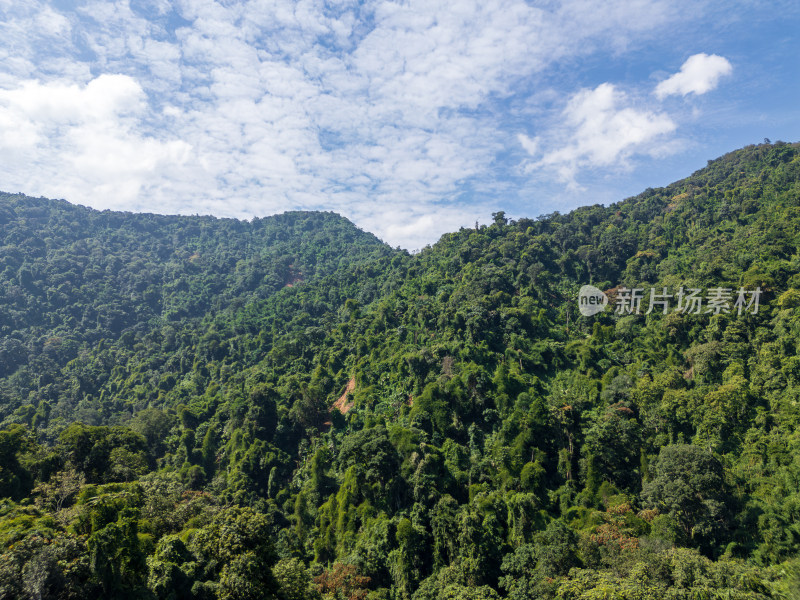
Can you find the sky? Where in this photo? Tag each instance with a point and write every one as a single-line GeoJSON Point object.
{"type": "Point", "coordinates": [411, 118]}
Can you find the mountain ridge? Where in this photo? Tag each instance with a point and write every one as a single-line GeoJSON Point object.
{"type": "Point", "coordinates": [542, 454]}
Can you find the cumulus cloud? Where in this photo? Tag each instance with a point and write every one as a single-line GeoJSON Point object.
{"type": "Point", "coordinates": [82, 140]}
{"type": "Point", "coordinates": [699, 74]}
{"type": "Point", "coordinates": [603, 130]}
{"type": "Point", "coordinates": [103, 98]}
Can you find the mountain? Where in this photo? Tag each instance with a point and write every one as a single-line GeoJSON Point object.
{"type": "Point", "coordinates": [73, 277]}
{"type": "Point", "coordinates": [207, 408]}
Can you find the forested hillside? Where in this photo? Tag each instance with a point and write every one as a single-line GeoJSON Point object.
{"type": "Point", "coordinates": [73, 278]}
{"type": "Point", "coordinates": [287, 408]}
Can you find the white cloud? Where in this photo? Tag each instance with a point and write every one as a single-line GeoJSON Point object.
{"type": "Point", "coordinates": [419, 228]}
{"type": "Point", "coordinates": [604, 131]}
{"type": "Point", "coordinates": [386, 112]}
{"type": "Point", "coordinates": [103, 98]}
{"type": "Point", "coordinates": [52, 22]}
{"type": "Point", "coordinates": [81, 141]}
{"type": "Point", "coordinates": [531, 146]}
{"type": "Point", "coordinates": [699, 74]}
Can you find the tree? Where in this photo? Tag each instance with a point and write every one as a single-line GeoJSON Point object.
{"type": "Point", "coordinates": [154, 425]}
{"type": "Point", "coordinates": [236, 554]}
{"type": "Point", "coordinates": [15, 480]}
{"type": "Point", "coordinates": [117, 561]}
{"type": "Point", "coordinates": [342, 582]}
{"type": "Point", "coordinates": [688, 485]}
{"type": "Point", "coordinates": [168, 578]}
{"type": "Point", "coordinates": [531, 569]}
{"type": "Point", "coordinates": [294, 580]}
{"type": "Point", "coordinates": [59, 489]}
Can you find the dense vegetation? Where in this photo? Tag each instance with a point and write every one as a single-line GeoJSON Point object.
{"type": "Point", "coordinates": [204, 408]}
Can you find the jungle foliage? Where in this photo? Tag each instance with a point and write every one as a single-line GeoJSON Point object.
{"type": "Point", "coordinates": [287, 408]}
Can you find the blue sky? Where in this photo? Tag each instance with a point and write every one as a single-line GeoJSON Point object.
{"type": "Point", "coordinates": [411, 118]}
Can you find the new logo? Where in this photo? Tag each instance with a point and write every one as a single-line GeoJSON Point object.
{"type": "Point", "coordinates": [591, 301]}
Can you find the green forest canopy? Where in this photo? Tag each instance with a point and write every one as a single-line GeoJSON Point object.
{"type": "Point", "coordinates": [209, 408]}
